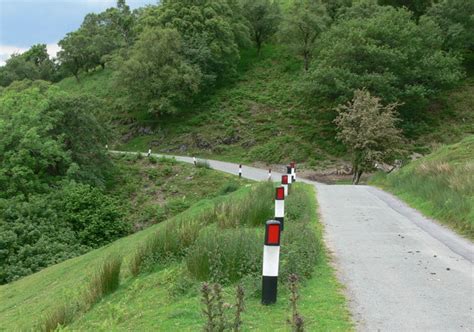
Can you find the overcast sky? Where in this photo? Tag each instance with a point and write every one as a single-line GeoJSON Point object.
{"type": "Point", "coordinates": [24, 23]}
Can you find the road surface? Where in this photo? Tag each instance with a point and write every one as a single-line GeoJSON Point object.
{"type": "Point", "coordinates": [402, 271]}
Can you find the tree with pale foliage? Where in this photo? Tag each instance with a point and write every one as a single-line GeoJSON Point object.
{"type": "Point", "coordinates": [304, 22]}
{"type": "Point", "coordinates": [368, 130]}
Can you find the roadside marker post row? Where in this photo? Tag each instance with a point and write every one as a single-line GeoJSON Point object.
{"type": "Point", "coordinates": [271, 246]}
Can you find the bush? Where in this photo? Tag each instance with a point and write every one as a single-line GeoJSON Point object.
{"type": "Point", "coordinates": [96, 218]}
{"type": "Point", "coordinates": [225, 255]}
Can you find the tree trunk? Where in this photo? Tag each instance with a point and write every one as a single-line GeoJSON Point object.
{"type": "Point", "coordinates": [306, 62]}
{"type": "Point", "coordinates": [354, 175]}
{"type": "Point", "coordinates": [359, 174]}
{"type": "Point", "coordinates": [259, 46]}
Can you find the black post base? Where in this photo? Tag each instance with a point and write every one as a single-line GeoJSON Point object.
{"type": "Point", "coordinates": [269, 290]}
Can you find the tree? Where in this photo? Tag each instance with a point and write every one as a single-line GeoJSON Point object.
{"type": "Point", "coordinates": [211, 32]}
{"type": "Point", "coordinates": [157, 76]}
{"type": "Point", "coordinates": [73, 55]}
{"type": "Point", "coordinates": [304, 22]}
{"type": "Point", "coordinates": [456, 19]}
{"type": "Point", "coordinates": [384, 50]}
{"type": "Point", "coordinates": [334, 7]}
{"type": "Point", "coordinates": [33, 64]}
{"type": "Point", "coordinates": [368, 130]}
{"type": "Point", "coordinates": [263, 18]}
{"type": "Point", "coordinates": [48, 135]}
{"type": "Point", "coordinates": [418, 7]}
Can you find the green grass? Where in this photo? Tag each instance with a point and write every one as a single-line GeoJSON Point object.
{"type": "Point", "coordinates": [155, 189]}
{"type": "Point", "coordinates": [441, 185]}
{"type": "Point", "coordinates": [167, 298]}
{"type": "Point", "coordinates": [25, 301]}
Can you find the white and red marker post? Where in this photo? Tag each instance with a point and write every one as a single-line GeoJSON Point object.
{"type": "Point", "coordinates": [284, 183]}
{"type": "Point", "coordinates": [288, 173]}
{"type": "Point", "coordinates": [293, 171]}
{"type": "Point", "coordinates": [280, 206]}
{"type": "Point", "coordinates": [269, 174]}
{"type": "Point", "coordinates": [149, 153]}
{"type": "Point", "coordinates": [271, 261]}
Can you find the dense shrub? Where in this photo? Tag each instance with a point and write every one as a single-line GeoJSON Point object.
{"type": "Point", "coordinates": [50, 228]}
{"type": "Point", "coordinates": [95, 218]}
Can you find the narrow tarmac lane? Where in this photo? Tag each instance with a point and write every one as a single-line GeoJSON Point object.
{"type": "Point", "coordinates": [402, 271]}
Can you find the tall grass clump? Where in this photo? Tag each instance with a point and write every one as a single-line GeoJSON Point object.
{"type": "Point", "coordinates": [61, 316]}
{"type": "Point", "coordinates": [225, 255]}
{"type": "Point", "coordinates": [106, 279]}
{"type": "Point", "coordinates": [252, 210]}
{"type": "Point", "coordinates": [441, 185]}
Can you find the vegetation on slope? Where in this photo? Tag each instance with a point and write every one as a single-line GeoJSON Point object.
{"type": "Point", "coordinates": [441, 185]}
{"type": "Point", "coordinates": [164, 291]}
{"type": "Point", "coordinates": [167, 298]}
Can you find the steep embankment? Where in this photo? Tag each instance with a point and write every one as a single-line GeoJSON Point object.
{"type": "Point", "coordinates": [159, 287]}
{"type": "Point", "coordinates": [441, 185]}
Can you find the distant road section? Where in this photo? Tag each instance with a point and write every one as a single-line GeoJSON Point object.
{"type": "Point", "coordinates": [402, 271]}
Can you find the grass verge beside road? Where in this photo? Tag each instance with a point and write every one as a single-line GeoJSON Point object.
{"type": "Point", "coordinates": [440, 185]}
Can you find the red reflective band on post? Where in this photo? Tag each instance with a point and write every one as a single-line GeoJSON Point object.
{"type": "Point", "coordinates": [284, 179]}
{"type": "Point", "coordinates": [273, 234]}
{"type": "Point", "coordinates": [280, 193]}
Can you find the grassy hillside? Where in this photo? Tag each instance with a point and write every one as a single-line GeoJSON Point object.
{"type": "Point", "coordinates": [441, 185]}
{"type": "Point", "coordinates": [262, 116]}
{"type": "Point", "coordinates": [164, 295]}
{"type": "Point", "coordinates": [153, 190]}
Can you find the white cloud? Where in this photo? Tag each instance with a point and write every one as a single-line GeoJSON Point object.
{"type": "Point", "coordinates": [53, 49]}
{"type": "Point", "coordinates": [7, 50]}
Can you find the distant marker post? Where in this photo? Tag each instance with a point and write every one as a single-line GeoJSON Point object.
{"type": "Point", "coordinates": [280, 206]}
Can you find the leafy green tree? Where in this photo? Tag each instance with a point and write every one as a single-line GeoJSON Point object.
{"type": "Point", "coordinates": [120, 23]}
{"type": "Point", "coordinates": [384, 50]}
{"type": "Point", "coordinates": [157, 75]}
{"type": "Point", "coordinates": [73, 55]}
{"type": "Point", "coordinates": [211, 32]}
{"type": "Point", "coordinates": [305, 21]}
{"type": "Point", "coordinates": [418, 7]}
{"type": "Point", "coordinates": [456, 19]}
{"type": "Point", "coordinates": [334, 7]}
{"type": "Point", "coordinates": [47, 135]}
{"type": "Point", "coordinates": [97, 38]}
{"type": "Point", "coordinates": [263, 18]}
{"type": "Point", "coordinates": [33, 64]}
{"type": "Point", "coordinates": [368, 130]}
